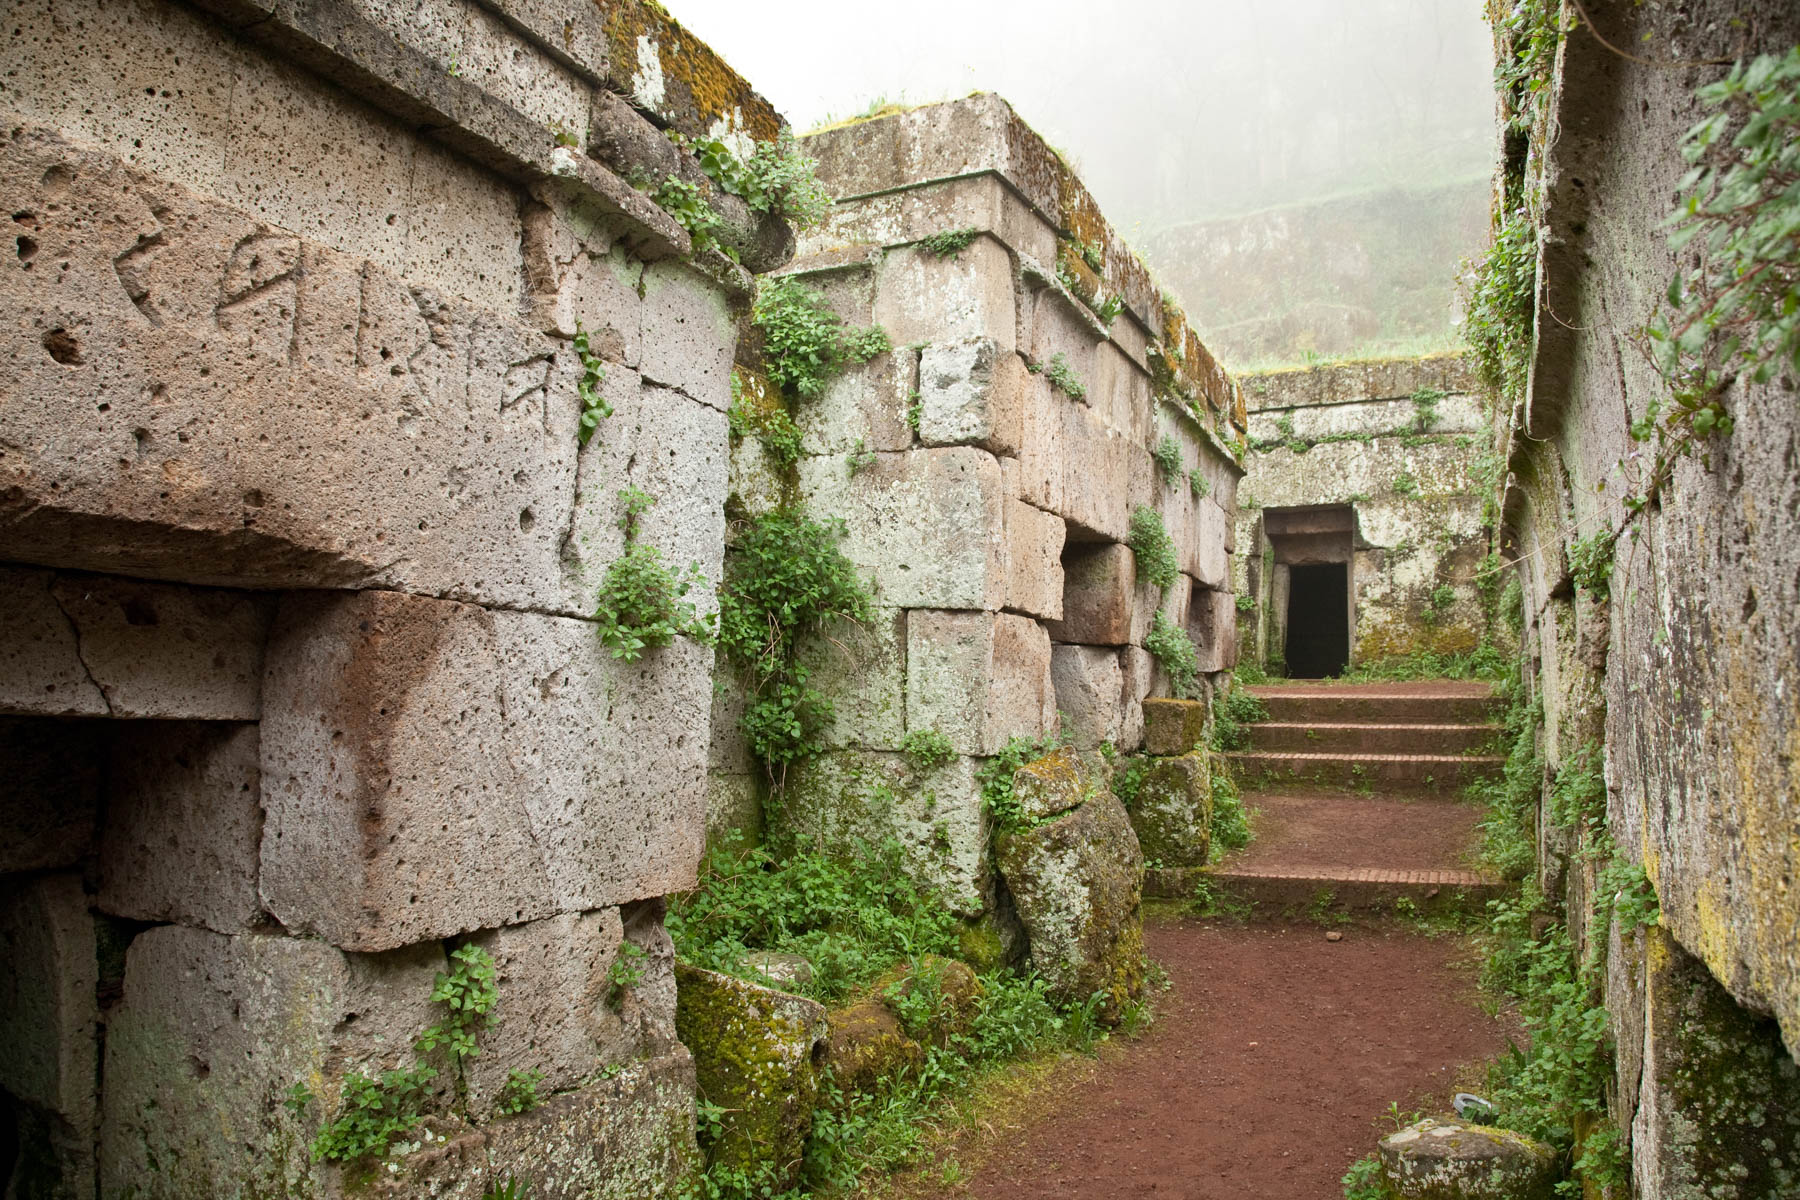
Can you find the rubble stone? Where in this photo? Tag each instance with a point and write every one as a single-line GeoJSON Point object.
{"type": "Point", "coordinates": [1449, 1160]}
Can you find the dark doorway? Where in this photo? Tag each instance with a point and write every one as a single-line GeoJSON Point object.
{"type": "Point", "coordinates": [1318, 625]}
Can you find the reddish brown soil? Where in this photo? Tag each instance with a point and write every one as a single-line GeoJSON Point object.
{"type": "Point", "coordinates": [1332, 829]}
{"type": "Point", "coordinates": [1270, 1062]}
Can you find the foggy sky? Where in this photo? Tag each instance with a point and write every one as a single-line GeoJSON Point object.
{"type": "Point", "coordinates": [1173, 111]}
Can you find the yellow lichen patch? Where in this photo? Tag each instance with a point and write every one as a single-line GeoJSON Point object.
{"type": "Point", "coordinates": [697, 90]}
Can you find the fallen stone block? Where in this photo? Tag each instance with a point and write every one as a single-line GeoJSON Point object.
{"type": "Point", "coordinates": [842, 796]}
{"type": "Point", "coordinates": [183, 825]}
{"type": "Point", "coordinates": [1077, 883]}
{"type": "Point", "coordinates": [52, 792]}
{"type": "Point", "coordinates": [431, 768]}
{"type": "Point", "coordinates": [755, 1055]}
{"type": "Point", "coordinates": [212, 1032]}
{"type": "Point", "coordinates": [971, 394]}
{"type": "Point", "coordinates": [1173, 726]}
{"type": "Point", "coordinates": [1049, 786]}
{"type": "Point", "coordinates": [1450, 1160]}
{"type": "Point", "coordinates": [925, 526]}
{"type": "Point", "coordinates": [1090, 689]}
{"type": "Point", "coordinates": [1099, 594]}
{"type": "Point", "coordinates": [1172, 813]}
{"type": "Point", "coordinates": [979, 678]}
{"type": "Point", "coordinates": [49, 1024]}
{"type": "Point", "coordinates": [867, 1045]}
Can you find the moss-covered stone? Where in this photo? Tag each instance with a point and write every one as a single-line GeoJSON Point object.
{"type": "Point", "coordinates": [1078, 885]}
{"type": "Point", "coordinates": [867, 1045]}
{"type": "Point", "coordinates": [1173, 726]}
{"type": "Point", "coordinates": [754, 1054]}
{"type": "Point", "coordinates": [1047, 786]}
{"type": "Point", "coordinates": [1447, 1160]}
{"type": "Point", "coordinates": [981, 947]}
{"type": "Point", "coordinates": [953, 992]}
{"type": "Point", "coordinates": [1172, 811]}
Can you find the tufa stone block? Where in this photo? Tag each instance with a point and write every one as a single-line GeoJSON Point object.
{"type": "Point", "coordinates": [1173, 726]}
{"type": "Point", "coordinates": [862, 668]}
{"type": "Point", "coordinates": [1099, 594]}
{"type": "Point", "coordinates": [1077, 883]}
{"type": "Point", "coordinates": [1034, 573]}
{"type": "Point", "coordinates": [431, 768]}
{"type": "Point", "coordinates": [922, 297]}
{"type": "Point", "coordinates": [1090, 691]}
{"type": "Point", "coordinates": [1049, 786]}
{"type": "Point", "coordinates": [755, 1055]}
{"type": "Point", "coordinates": [1172, 814]}
{"type": "Point", "coordinates": [980, 678]}
{"type": "Point", "coordinates": [183, 825]}
{"type": "Point", "coordinates": [971, 394]}
{"type": "Point", "coordinates": [41, 671]}
{"type": "Point", "coordinates": [925, 525]}
{"type": "Point", "coordinates": [1449, 1160]}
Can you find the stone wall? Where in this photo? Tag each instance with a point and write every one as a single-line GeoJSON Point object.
{"type": "Point", "coordinates": [1684, 674]}
{"type": "Point", "coordinates": [1392, 448]}
{"type": "Point", "coordinates": [300, 552]}
{"type": "Point", "coordinates": [988, 507]}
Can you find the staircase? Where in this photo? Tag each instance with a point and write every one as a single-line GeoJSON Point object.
{"type": "Point", "coordinates": [1357, 794]}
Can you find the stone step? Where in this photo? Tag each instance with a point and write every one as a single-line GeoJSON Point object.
{"type": "Point", "coordinates": [1303, 891]}
{"type": "Point", "coordinates": [1303, 737]}
{"type": "Point", "coordinates": [1463, 704]}
{"type": "Point", "coordinates": [1442, 773]}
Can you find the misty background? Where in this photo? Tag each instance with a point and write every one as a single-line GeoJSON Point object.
{"type": "Point", "coordinates": [1305, 175]}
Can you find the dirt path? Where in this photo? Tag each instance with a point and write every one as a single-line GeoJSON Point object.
{"type": "Point", "coordinates": [1273, 1055]}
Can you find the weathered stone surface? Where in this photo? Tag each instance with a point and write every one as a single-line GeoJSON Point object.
{"type": "Point", "coordinates": [733, 808]}
{"type": "Point", "coordinates": [1140, 672]}
{"type": "Point", "coordinates": [927, 525]}
{"type": "Point", "coordinates": [431, 768]}
{"type": "Point", "coordinates": [1034, 574]}
{"type": "Point", "coordinates": [183, 825]}
{"type": "Point", "coordinates": [843, 796]}
{"type": "Point", "coordinates": [867, 1045]}
{"type": "Point", "coordinates": [1717, 1111]}
{"type": "Point", "coordinates": [785, 971]}
{"type": "Point", "coordinates": [1448, 1160]}
{"type": "Point", "coordinates": [1077, 883]}
{"type": "Point", "coordinates": [1100, 470]}
{"type": "Point", "coordinates": [40, 653]}
{"type": "Point", "coordinates": [971, 394]}
{"type": "Point", "coordinates": [1173, 726]}
{"type": "Point", "coordinates": [1090, 693]}
{"type": "Point", "coordinates": [1172, 814]}
{"type": "Point", "coordinates": [755, 1056]}
{"type": "Point", "coordinates": [862, 668]}
{"type": "Point", "coordinates": [1049, 786]}
{"type": "Point", "coordinates": [564, 1010]}
{"type": "Point", "coordinates": [169, 652]}
{"type": "Point", "coordinates": [922, 297]}
{"type": "Point", "coordinates": [580, 276]}
{"type": "Point", "coordinates": [213, 1030]}
{"type": "Point", "coordinates": [52, 791]}
{"type": "Point", "coordinates": [979, 678]}
{"type": "Point", "coordinates": [1099, 594]}
{"type": "Point", "coordinates": [866, 404]}
{"type": "Point", "coordinates": [690, 334]}
{"type": "Point", "coordinates": [1042, 446]}
{"type": "Point", "coordinates": [49, 1019]}
{"type": "Point", "coordinates": [1212, 626]}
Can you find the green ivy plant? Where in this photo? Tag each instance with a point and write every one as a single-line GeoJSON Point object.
{"type": "Point", "coordinates": [594, 406]}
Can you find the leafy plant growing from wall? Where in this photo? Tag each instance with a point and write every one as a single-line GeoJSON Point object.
{"type": "Point", "coordinates": [643, 604]}
{"type": "Point", "coordinates": [951, 242]}
{"type": "Point", "coordinates": [1153, 548]}
{"type": "Point", "coordinates": [777, 178]}
{"type": "Point", "coordinates": [805, 344]}
{"type": "Point", "coordinates": [1174, 652]}
{"type": "Point", "coordinates": [785, 579]}
{"type": "Point", "coordinates": [1063, 378]}
{"type": "Point", "coordinates": [594, 407]}
{"type": "Point", "coordinates": [1167, 455]}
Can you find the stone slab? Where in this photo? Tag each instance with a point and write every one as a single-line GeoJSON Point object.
{"type": "Point", "coordinates": [926, 525]}
{"type": "Point", "coordinates": [183, 825]}
{"type": "Point", "coordinates": [211, 1033]}
{"type": "Point", "coordinates": [979, 678]}
{"type": "Point", "coordinates": [841, 796]}
{"type": "Point", "coordinates": [431, 768]}
{"type": "Point", "coordinates": [1090, 693]}
{"type": "Point", "coordinates": [1099, 594]}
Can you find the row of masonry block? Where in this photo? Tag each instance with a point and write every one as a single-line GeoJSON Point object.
{"type": "Point", "coordinates": [198, 395]}
{"type": "Point", "coordinates": [209, 1031]}
{"type": "Point", "coordinates": [422, 767]}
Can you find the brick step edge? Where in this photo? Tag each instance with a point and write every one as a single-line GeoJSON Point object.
{"type": "Point", "coordinates": [1266, 771]}
{"type": "Point", "coordinates": [1302, 737]}
{"type": "Point", "coordinates": [1310, 891]}
{"type": "Point", "coordinates": [1379, 710]}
